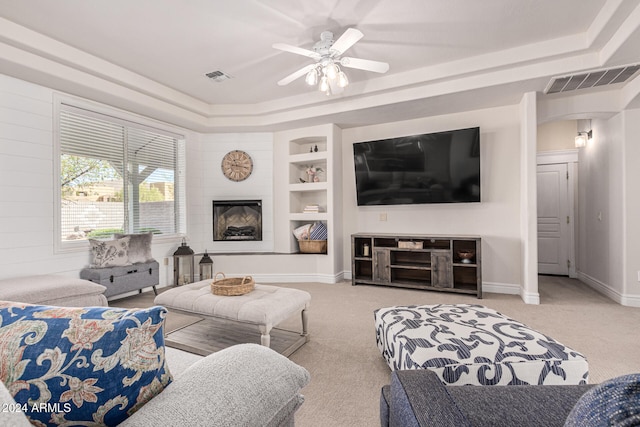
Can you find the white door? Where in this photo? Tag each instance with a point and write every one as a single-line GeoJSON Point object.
{"type": "Point", "coordinates": [553, 219]}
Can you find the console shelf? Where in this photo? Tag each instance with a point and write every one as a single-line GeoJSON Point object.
{"type": "Point", "coordinates": [437, 263]}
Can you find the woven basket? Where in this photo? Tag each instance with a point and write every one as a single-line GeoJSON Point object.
{"type": "Point", "coordinates": [233, 286]}
{"type": "Point", "coordinates": [313, 246]}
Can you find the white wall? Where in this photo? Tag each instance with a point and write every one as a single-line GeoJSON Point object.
{"type": "Point", "coordinates": [631, 203]}
{"type": "Point", "coordinates": [558, 135]}
{"type": "Point", "coordinates": [609, 207]}
{"type": "Point", "coordinates": [496, 219]}
{"type": "Point", "coordinates": [207, 183]}
{"type": "Point", "coordinates": [27, 188]}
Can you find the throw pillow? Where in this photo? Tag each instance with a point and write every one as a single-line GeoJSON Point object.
{"type": "Point", "coordinates": [613, 403]}
{"type": "Point", "coordinates": [302, 232]}
{"type": "Point", "coordinates": [319, 231]}
{"type": "Point", "coordinates": [109, 253]}
{"type": "Point", "coordinates": [81, 366]}
{"type": "Point", "coordinates": [139, 247]}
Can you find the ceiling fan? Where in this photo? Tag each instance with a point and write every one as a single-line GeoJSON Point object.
{"type": "Point", "coordinates": [328, 56]}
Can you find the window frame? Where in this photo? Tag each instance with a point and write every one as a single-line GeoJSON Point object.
{"type": "Point", "coordinates": [128, 119]}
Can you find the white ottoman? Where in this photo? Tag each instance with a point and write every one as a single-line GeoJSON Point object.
{"type": "Point", "coordinates": [266, 306]}
{"type": "Point", "coordinates": [474, 345]}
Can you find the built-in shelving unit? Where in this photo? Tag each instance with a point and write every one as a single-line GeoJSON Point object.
{"type": "Point", "coordinates": [295, 151]}
{"type": "Point", "coordinates": [439, 263]}
{"type": "Point", "coordinates": [305, 153]}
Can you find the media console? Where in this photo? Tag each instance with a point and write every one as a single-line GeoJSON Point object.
{"type": "Point", "coordinates": [429, 262]}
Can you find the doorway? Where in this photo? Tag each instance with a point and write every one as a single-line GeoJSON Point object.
{"type": "Point", "coordinates": [556, 180]}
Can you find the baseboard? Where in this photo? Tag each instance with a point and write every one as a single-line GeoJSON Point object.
{"type": "Point", "coordinates": [500, 288]}
{"type": "Point", "coordinates": [606, 290]}
{"type": "Point", "coordinates": [298, 278]}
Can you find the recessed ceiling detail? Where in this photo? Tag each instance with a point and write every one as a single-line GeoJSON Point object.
{"type": "Point", "coordinates": [591, 79]}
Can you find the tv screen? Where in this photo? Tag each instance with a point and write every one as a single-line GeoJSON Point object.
{"type": "Point", "coordinates": [442, 167]}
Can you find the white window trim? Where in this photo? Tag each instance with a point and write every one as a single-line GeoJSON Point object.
{"type": "Point", "coordinates": [119, 116]}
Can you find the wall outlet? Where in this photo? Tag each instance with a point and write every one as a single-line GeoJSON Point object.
{"type": "Point", "coordinates": [638, 275]}
{"type": "Point", "coordinates": [383, 217]}
{"type": "Point", "coordinates": [166, 261]}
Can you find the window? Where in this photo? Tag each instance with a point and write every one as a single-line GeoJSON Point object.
{"type": "Point", "coordinates": [117, 176]}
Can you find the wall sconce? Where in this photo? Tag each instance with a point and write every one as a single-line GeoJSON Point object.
{"type": "Point", "coordinates": [581, 139]}
{"type": "Point", "coordinates": [583, 135]}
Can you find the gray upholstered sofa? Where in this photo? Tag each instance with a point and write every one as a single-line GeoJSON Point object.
{"type": "Point", "coordinates": [419, 398]}
{"type": "Point", "coordinates": [52, 289]}
{"type": "Point", "coordinates": [243, 385]}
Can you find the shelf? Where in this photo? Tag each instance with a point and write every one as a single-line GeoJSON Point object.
{"type": "Point", "coordinates": [309, 186]}
{"type": "Point", "coordinates": [322, 216]}
{"type": "Point", "coordinates": [305, 158]}
{"type": "Point", "coordinates": [411, 266]}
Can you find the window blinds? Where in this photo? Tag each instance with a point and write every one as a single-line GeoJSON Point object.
{"type": "Point", "coordinates": [117, 175]}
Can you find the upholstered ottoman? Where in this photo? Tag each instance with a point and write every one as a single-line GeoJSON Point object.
{"type": "Point", "coordinates": [266, 306]}
{"type": "Point", "coordinates": [474, 345]}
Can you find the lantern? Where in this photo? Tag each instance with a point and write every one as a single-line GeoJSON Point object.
{"type": "Point", "coordinates": [183, 265]}
{"type": "Point", "coordinates": [206, 267]}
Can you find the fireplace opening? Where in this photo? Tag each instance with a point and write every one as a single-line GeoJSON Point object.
{"type": "Point", "coordinates": [237, 220]}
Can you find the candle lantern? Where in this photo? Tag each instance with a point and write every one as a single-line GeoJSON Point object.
{"type": "Point", "coordinates": [206, 267]}
{"type": "Point", "coordinates": [183, 264]}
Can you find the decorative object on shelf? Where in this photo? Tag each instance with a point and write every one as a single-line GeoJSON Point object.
{"type": "Point", "coordinates": [313, 208]}
{"type": "Point", "coordinates": [313, 246]}
{"type": "Point", "coordinates": [183, 264]}
{"type": "Point", "coordinates": [206, 267]}
{"type": "Point", "coordinates": [466, 255]}
{"type": "Point", "coordinates": [237, 165]}
{"type": "Point", "coordinates": [312, 238]}
{"type": "Point", "coordinates": [312, 173]}
{"type": "Point", "coordinates": [409, 245]}
{"type": "Point", "coordinates": [365, 250]}
{"type": "Point", "coordinates": [233, 286]}
{"type": "Point", "coordinates": [315, 148]}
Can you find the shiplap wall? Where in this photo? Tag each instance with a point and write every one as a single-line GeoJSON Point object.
{"type": "Point", "coordinates": [27, 188]}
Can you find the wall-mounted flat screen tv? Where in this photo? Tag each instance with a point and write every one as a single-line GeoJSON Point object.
{"type": "Point", "coordinates": [442, 167]}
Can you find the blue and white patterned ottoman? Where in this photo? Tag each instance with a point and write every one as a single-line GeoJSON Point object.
{"type": "Point", "coordinates": [469, 344]}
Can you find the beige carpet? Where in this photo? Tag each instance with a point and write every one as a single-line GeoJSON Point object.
{"type": "Point", "coordinates": [347, 370]}
{"type": "Point", "coordinates": [173, 322]}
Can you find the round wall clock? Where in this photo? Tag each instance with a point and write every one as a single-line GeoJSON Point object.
{"type": "Point", "coordinates": [237, 165]}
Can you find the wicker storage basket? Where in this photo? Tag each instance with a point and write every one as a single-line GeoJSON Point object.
{"type": "Point", "coordinates": [313, 246]}
{"type": "Point", "coordinates": [233, 286]}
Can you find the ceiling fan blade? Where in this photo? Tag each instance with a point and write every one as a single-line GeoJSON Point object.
{"type": "Point", "coordinates": [296, 75]}
{"type": "Point", "coordinates": [297, 50]}
{"type": "Point", "coordinates": [365, 64]}
{"type": "Point", "coordinates": [346, 40]}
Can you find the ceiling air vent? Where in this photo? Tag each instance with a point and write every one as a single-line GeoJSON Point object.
{"type": "Point", "coordinates": [218, 76]}
{"type": "Point", "coordinates": [591, 79]}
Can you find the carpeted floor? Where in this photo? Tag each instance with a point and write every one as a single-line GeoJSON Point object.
{"type": "Point", "coordinates": [347, 370]}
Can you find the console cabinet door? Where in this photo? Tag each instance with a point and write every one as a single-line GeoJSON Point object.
{"type": "Point", "coordinates": [441, 269]}
{"type": "Point", "coordinates": [381, 262]}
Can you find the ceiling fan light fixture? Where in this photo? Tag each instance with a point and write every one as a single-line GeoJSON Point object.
{"type": "Point", "coordinates": [331, 70]}
{"type": "Point", "coordinates": [343, 81]}
{"type": "Point", "coordinates": [327, 53]}
{"type": "Point", "coordinates": [324, 84]}
{"type": "Point", "coordinates": [312, 77]}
